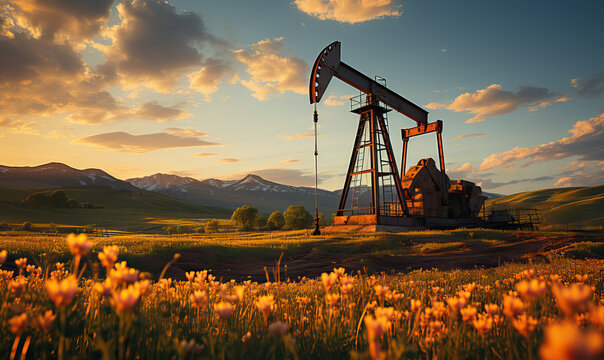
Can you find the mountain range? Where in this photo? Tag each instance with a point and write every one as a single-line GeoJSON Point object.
{"type": "Point", "coordinates": [253, 190]}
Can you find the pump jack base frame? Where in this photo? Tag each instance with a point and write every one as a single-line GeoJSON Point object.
{"type": "Point", "coordinates": [371, 223]}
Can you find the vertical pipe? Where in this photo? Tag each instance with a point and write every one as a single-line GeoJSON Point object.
{"type": "Point", "coordinates": [315, 121]}
{"type": "Point", "coordinates": [441, 156]}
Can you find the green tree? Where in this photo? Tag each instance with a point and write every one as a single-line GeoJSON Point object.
{"type": "Point", "coordinates": [323, 220]}
{"type": "Point", "coordinates": [27, 226]}
{"type": "Point", "coordinates": [211, 227]}
{"type": "Point", "coordinates": [244, 217]}
{"type": "Point", "coordinates": [297, 217]}
{"type": "Point", "coordinates": [276, 220]}
{"type": "Point", "coordinates": [260, 222]}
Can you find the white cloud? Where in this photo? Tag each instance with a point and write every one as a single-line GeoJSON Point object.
{"type": "Point", "coordinates": [350, 11]}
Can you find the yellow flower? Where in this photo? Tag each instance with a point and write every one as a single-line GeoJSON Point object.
{"type": "Point", "coordinates": [190, 275]}
{"type": "Point", "coordinates": [483, 323]}
{"type": "Point", "coordinates": [21, 263]}
{"type": "Point", "coordinates": [164, 283]}
{"type": "Point", "coordinates": [303, 300]}
{"type": "Point", "coordinates": [512, 306]}
{"type": "Point", "coordinates": [3, 255]}
{"type": "Point", "coordinates": [17, 286]}
{"type": "Point", "coordinates": [416, 305]}
{"type": "Point", "coordinates": [18, 324]}
{"type": "Point", "coordinates": [346, 284]}
{"type": "Point", "coordinates": [597, 316]}
{"type": "Point", "coordinates": [468, 314]}
{"type": "Point", "coordinates": [328, 280]}
{"type": "Point", "coordinates": [457, 303]}
{"type": "Point", "coordinates": [45, 321]}
{"type": "Point", "coordinates": [565, 341]}
{"type": "Point", "coordinates": [223, 310]}
{"type": "Point", "coordinates": [339, 271]}
{"type": "Point", "coordinates": [246, 337]}
{"type": "Point", "coordinates": [142, 286]}
{"type": "Point", "coordinates": [239, 291]}
{"type": "Point", "coordinates": [278, 329]}
{"type": "Point", "coordinates": [573, 299]}
{"type": "Point", "coordinates": [198, 298]}
{"type": "Point", "coordinates": [104, 288]}
{"type": "Point", "coordinates": [376, 327]}
{"type": "Point", "coordinates": [61, 292]}
{"type": "Point", "coordinates": [332, 299]}
{"type": "Point", "coordinates": [491, 309]}
{"type": "Point", "coordinates": [524, 324]}
{"type": "Point", "coordinates": [531, 288]}
{"type": "Point", "coordinates": [125, 299]}
{"type": "Point", "coordinates": [78, 244]}
{"type": "Point", "coordinates": [109, 255]}
{"type": "Point", "coordinates": [385, 312]}
{"type": "Point", "coordinates": [265, 304]}
{"type": "Point", "coordinates": [123, 274]}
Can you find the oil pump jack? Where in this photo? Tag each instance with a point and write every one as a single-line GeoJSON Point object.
{"type": "Point", "coordinates": [374, 194]}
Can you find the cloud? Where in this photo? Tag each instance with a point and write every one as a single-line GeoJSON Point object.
{"type": "Point", "coordinates": [273, 69]}
{"type": "Point", "coordinates": [350, 11]}
{"type": "Point", "coordinates": [588, 87]}
{"type": "Point", "coordinates": [205, 154]}
{"type": "Point", "coordinates": [493, 101]}
{"type": "Point", "coordinates": [70, 20]}
{"type": "Point", "coordinates": [463, 136]}
{"type": "Point", "coordinates": [213, 72]}
{"type": "Point", "coordinates": [435, 105]}
{"type": "Point", "coordinates": [297, 136]}
{"type": "Point", "coordinates": [582, 173]}
{"type": "Point", "coordinates": [290, 161]}
{"type": "Point", "coordinates": [228, 160]}
{"type": "Point", "coordinates": [154, 45]}
{"type": "Point", "coordinates": [171, 138]}
{"type": "Point", "coordinates": [334, 100]}
{"type": "Point", "coordinates": [585, 142]}
{"type": "Point", "coordinates": [153, 111]}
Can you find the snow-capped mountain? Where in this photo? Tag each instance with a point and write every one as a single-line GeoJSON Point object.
{"type": "Point", "coordinates": [251, 190]}
{"type": "Point", "coordinates": [57, 175]}
{"type": "Point", "coordinates": [160, 181]}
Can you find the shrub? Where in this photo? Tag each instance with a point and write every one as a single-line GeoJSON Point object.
{"type": "Point", "coordinates": [170, 229]}
{"type": "Point", "coordinates": [245, 217]}
{"type": "Point", "coordinates": [297, 217]}
{"type": "Point", "coordinates": [4, 226]}
{"type": "Point", "coordinates": [211, 226]}
{"type": "Point", "coordinates": [53, 228]}
{"type": "Point", "coordinates": [200, 230]}
{"type": "Point", "coordinates": [276, 220]}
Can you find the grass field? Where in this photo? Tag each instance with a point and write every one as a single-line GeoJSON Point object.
{"type": "Point", "coordinates": [560, 208]}
{"type": "Point", "coordinates": [123, 211]}
{"type": "Point", "coordinates": [526, 310]}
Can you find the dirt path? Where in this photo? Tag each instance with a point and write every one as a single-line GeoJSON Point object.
{"type": "Point", "coordinates": [313, 262]}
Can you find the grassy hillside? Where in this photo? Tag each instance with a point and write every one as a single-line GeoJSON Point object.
{"type": "Point", "coordinates": [561, 207]}
{"type": "Point", "coordinates": [122, 210]}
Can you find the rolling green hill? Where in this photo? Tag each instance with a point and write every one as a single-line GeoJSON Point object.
{"type": "Point", "coordinates": [561, 207]}
{"type": "Point", "coordinates": [121, 209]}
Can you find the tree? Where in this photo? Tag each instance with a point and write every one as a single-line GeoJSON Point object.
{"type": "Point", "coordinates": [297, 217]}
{"type": "Point", "coordinates": [244, 217]}
{"type": "Point", "coordinates": [276, 220]}
{"type": "Point", "coordinates": [260, 222]}
{"type": "Point", "coordinates": [211, 227]}
{"type": "Point", "coordinates": [323, 221]}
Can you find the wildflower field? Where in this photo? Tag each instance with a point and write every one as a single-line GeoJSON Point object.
{"type": "Point", "coordinates": [93, 304]}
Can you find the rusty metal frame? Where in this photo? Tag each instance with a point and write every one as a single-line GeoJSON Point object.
{"type": "Point", "coordinates": [436, 127]}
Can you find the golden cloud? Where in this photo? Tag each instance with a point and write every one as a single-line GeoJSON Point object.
{"type": "Point", "coordinates": [350, 11]}
{"type": "Point", "coordinates": [273, 69]}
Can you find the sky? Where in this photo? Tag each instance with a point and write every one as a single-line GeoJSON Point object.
{"type": "Point", "coordinates": [219, 89]}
